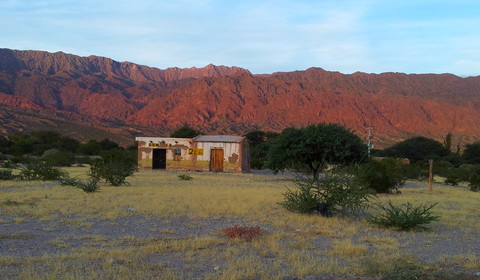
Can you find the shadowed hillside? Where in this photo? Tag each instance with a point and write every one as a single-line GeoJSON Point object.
{"type": "Point", "coordinates": [126, 99]}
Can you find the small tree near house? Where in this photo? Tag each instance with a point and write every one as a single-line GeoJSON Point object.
{"type": "Point", "coordinates": [311, 148]}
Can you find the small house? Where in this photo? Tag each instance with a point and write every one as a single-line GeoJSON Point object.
{"type": "Point", "coordinates": [204, 152]}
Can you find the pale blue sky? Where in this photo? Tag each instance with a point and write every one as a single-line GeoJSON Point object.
{"type": "Point", "coordinates": [373, 36]}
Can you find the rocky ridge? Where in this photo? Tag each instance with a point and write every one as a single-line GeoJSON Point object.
{"type": "Point", "coordinates": [129, 99]}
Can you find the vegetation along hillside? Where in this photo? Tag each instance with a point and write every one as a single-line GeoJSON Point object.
{"type": "Point", "coordinates": [89, 96]}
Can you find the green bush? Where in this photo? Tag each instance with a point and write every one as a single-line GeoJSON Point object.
{"type": "Point", "coordinates": [114, 167]}
{"type": "Point", "coordinates": [8, 164]}
{"type": "Point", "coordinates": [333, 193]}
{"type": "Point", "coordinates": [452, 180]}
{"type": "Point", "coordinates": [39, 170]}
{"type": "Point", "coordinates": [404, 217]}
{"type": "Point", "coordinates": [56, 157]}
{"type": "Point", "coordinates": [416, 171]}
{"type": "Point", "coordinates": [474, 179]}
{"type": "Point", "coordinates": [382, 176]}
{"type": "Point", "coordinates": [91, 185]}
{"type": "Point", "coordinates": [66, 180]}
{"type": "Point", "coordinates": [6, 174]}
{"type": "Point", "coordinates": [302, 200]}
{"type": "Point", "coordinates": [185, 177]}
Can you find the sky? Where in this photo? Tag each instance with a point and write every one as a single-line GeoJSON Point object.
{"type": "Point", "coordinates": [372, 36]}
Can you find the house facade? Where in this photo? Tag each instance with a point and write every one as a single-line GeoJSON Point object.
{"type": "Point", "coordinates": [204, 153]}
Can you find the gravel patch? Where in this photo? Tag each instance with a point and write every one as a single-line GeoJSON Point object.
{"type": "Point", "coordinates": [35, 238]}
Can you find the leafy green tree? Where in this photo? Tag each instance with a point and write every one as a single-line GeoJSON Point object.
{"type": "Point", "coordinates": [108, 145]}
{"type": "Point", "coordinates": [418, 148]}
{"type": "Point", "coordinates": [68, 144]}
{"type": "Point", "coordinates": [259, 142]}
{"type": "Point", "coordinates": [471, 154]}
{"type": "Point", "coordinates": [447, 143]}
{"type": "Point", "coordinates": [56, 157]}
{"type": "Point", "coordinates": [312, 148]}
{"type": "Point", "coordinates": [5, 144]}
{"type": "Point", "coordinates": [91, 147]}
{"type": "Point", "coordinates": [37, 142]}
{"type": "Point", "coordinates": [21, 144]}
{"type": "Point", "coordinates": [185, 132]}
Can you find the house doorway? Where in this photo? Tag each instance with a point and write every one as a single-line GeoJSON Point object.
{"type": "Point", "coordinates": [216, 159]}
{"type": "Point", "coordinates": [159, 159]}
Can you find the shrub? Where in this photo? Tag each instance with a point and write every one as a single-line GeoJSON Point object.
{"type": "Point", "coordinates": [91, 185]}
{"type": "Point", "coordinates": [474, 180]}
{"type": "Point", "coordinates": [333, 193]}
{"type": "Point", "coordinates": [382, 176]}
{"type": "Point", "coordinates": [39, 170]}
{"type": "Point", "coordinates": [405, 217]}
{"type": "Point", "coordinates": [6, 174]}
{"type": "Point", "coordinates": [302, 200]}
{"type": "Point", "coordinates": [452, 180]}
{"type": "Point", "coordinates": [56, 157]}
{"type": "Point", "coordinates": [114, 168]}
{"type": "Point", "coordinates": [8, 164]}
{"type": "Point", "coordinates": [68, 181]}
{"type": "Point", "coordinates": [416, 171]}
{"type": "Point", "coordinates": [471, 154]}
{"type": "Point", "coordinates": [242, 232]}
{"type": "Point", "coordinates": [184, 177]}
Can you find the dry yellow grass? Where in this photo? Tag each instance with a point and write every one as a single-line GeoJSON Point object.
{"type": "Point", "coordinates": [293, 244]}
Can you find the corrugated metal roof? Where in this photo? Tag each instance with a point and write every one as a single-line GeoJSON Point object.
{"type": "Point", "coordinates": [219, 138]}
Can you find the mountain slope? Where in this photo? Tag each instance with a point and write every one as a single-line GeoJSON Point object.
{"type": "Point", "coordinates": [131, 99]}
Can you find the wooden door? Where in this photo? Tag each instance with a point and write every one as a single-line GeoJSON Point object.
{"type": "Point", "coordinates": [216, 159]}
{"type": "Point", "coordinates": [159, 159]}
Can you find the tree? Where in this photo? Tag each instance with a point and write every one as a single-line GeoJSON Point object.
{"type": "Point", "coordinates": [92, 147]}
{"type": "Point", "coordinates": [185, 132]}
{"type": "Point", "coordinates": [108, 145]}
{"type": "Point", "coordinates": [471, 154]}
{"type": "Point", "coordinates": [5, 144]}
{"type": "Point", "coordinates": [447, 143]}
{"type": "Point", "coordinates": [417, 148]}
{"type": "Point", "coordinates": [259, 142]}
{"type": "Point", "coordinates": [313, 147]}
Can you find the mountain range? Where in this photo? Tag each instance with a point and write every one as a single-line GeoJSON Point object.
{"type": "Point", "coordinates": [97, 97]}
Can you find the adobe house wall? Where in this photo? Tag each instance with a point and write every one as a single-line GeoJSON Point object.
{"type": "Point", "coordinates": [187, 154]}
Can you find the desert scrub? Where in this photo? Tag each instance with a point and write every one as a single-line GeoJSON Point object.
{"type": "Point", "coordinates": [474, 179]}
{"type": "Point", "coordinates": [404, 217]}
{"type": "Point", "coordinates": [39, 170]}
{"type": "Point", "coordinates": [185, 177]}
{"type": "Point", "coordinates": [382, 176]}
{"type": "Point", "coordinates": [6, 174]}
{"type": "Point", "coordinates": [88, 186]}
{"type": "Point", "coordinates": [338, 193]}
{"type": "Point", "coordinates": [114, 168]}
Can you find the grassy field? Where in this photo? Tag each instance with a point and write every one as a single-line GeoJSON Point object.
{"type": "Point", "coordinates": [161, 227]}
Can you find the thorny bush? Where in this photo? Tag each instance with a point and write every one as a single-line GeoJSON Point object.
{"type": "Point", "coordinates": [404, 217]}
{"type": "Point", "coordinates": [39, 170]}
{"type": "Point", "coordinates": [339, 193]}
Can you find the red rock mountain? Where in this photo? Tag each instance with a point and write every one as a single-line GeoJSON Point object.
{"type": "Point", "coordinates": [94, 97]}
